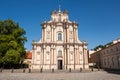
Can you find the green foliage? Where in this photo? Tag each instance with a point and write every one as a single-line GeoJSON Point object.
{"type": "Point", "coordinates": [102, 46]}
{"type": "Point", "coordinates": [108, 44]}
{"type": "Point", "coordinates": [12, 39]}
{"type": "Point", "coordinates": [99, 46]}
{"type": "Point", "coordinates": [11, 57]}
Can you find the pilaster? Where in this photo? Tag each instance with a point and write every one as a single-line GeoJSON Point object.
{"type": "Point", "coordinates": [64, 34]}
{"type": "Point", "coordinates": [51, 34]}
{"type": "Point", "coordinates": [74, 57]}
{"type": "Point", "coordinates": [45, 35]}
{"type": "Point", "coordinates": [42, 35]}
{"type": "Point", "coordinates": [44, 56]}
{"type": "Point", "coordinates": [67, 34]}
{"type": "Point", "coordinates": [77, 56]}
{"type": "Point", "coordinates": [77, 34]}
{"type": "Point", "coordinates": [74, 36]}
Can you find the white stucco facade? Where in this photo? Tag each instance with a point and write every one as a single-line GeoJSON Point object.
{"type": "Point", "coordinates": [59, 47]}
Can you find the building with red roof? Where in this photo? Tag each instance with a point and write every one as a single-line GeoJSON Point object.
{"type": "Point", "coordinates": [28, 58]}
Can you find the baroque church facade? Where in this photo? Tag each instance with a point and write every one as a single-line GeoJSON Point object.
{"type": "Point", "coordinates": [59, 48]}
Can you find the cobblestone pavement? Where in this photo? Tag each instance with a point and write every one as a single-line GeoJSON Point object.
{"type": "Point", "coordinates": [98, 75]}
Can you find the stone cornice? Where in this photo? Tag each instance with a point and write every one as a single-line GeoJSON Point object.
{"type": "Point", "coordinates": [45, 24]}
{"type": "Point", "coordinates": [56, 44]}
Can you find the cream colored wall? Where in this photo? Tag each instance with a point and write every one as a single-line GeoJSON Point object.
{"type": "Point", "coordinates": [45, 52]}
{"type": "Point", "coordinates": [110, 57]}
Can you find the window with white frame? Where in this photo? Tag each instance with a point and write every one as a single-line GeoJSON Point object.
{"type": "Point", "coordinates": [59, 36]}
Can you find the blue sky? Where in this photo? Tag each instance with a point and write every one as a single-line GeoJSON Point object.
{"type": "Point", "coordinates": [99, 20]}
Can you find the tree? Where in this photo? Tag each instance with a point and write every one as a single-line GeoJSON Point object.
{"type": "Point", "coordinates": [102, 46]}
{"type": "Point", "coordinates": [99, 46]}
{"type": "Point", "coordinates": [12, 39]}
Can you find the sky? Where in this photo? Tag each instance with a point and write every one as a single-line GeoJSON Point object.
{"type": "Point", "coordinates": [99, 20]}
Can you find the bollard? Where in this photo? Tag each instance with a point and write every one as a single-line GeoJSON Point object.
{"type": "Point", "coordinates": [80, 69]}
{"type": "Point", "coordinates": [23, 70]}
{"type": "Point", "coordinates": [69, 69]}
{"type": "Point", "coordinates": [41, 70]}
{"type": "Point", "coordinates": [12, 70]}
{"type": "Point", "coordinates": [1, 70]}
{"type": "Point", "coordinates": [98, 68]}
{"type": "Point", "coordinates": [29, 70]}
{"type": "Point", "coordinates": [52, 69]}
{"type": "Point", "coordinates": [92, 69]}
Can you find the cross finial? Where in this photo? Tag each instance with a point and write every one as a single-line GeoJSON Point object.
{"type": "Point", "coordinates": [59, 6]}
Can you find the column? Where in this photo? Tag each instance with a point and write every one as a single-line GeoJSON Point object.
{"type": "Point", "coordinates": [54, 56]}
{"type": "Point", "coordinates": [55, 35]}
{"type": "Point", "coordinates": [52, 34]}
{"type": "Point", "coordinates": [51, 56]}
{"type": "Point", "coordinates": [64, 34]}
{"type": "Point", "coordinates": [74, 34]}
{"type": "Point", "coordinates": [44, 56]}
{"type": "Point", "coordinates": [83, 58]}
{"type": "Point", "coordinates": [45, 35]}
{"type": "Point", "coordinates": [77, 34]}
{"type": "Point", "coordinates": [42, 34]}
{"type": "Point", "coordinates": [67, 35]}
{"type": "Point", "coordinates": [74, 57]}
{"type": "Point", "coordinates": [68, 55]}
{"type": "Point", "coordinates": [86, 57]}
{"type": "Point", "coordinates": [65, 57]}
{"type": "Point", "coordinates": [78, 56]}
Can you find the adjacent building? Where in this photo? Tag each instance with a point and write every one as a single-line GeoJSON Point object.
{"type": "Point", "coordinates": [59, 48]}
{"type": "Point", "coordinates": [28, 58]}
{"type": "Point", "coordinates": [109, 57]}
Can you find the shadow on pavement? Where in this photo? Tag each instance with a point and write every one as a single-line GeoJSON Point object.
{"type": "Point", "coordinates": [112, 71]}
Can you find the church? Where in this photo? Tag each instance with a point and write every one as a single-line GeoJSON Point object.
{"type": "Point", "coordinates": [59, 48]}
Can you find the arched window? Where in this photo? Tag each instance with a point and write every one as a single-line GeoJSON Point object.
{"type": "Point", "coordinates": [59, 53]}
{"type": "Point", "coordinates": [60, 37]}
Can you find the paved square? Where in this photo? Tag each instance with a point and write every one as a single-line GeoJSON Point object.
{"type": "Point", "coordinates": [101, 75]}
